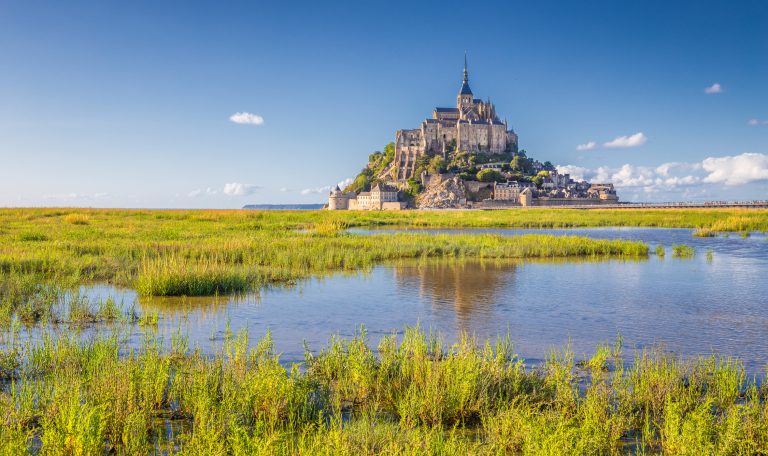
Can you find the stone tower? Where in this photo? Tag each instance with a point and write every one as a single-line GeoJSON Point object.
{"type": "Point", "coordinates": [464, 100]}
{"type": "Point", "coordinates": [337, 200]}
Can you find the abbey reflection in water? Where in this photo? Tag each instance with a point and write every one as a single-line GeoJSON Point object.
{"type": "Point", "coordinates": [467, 289]}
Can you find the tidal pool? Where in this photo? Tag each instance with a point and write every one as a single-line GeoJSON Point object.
{"type": "Point", "coordinates": [697, 306]}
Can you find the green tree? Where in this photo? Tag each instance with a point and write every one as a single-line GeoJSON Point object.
{"type": "Point", "coordinates": [389, 150]}
{"type": "Point", "coordinates": [437, 165]}
{"type": "Point", "coordinates": [489, 175]}
{"type": "Point", "coordinates": [521, 164]}
{"type": "Point", "coordinates": [538, 180]}
{"type": "Point", "coordinates": [361, 183]}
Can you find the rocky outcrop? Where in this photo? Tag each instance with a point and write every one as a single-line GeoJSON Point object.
{"type": "Point", "coordinates": [443, 193]}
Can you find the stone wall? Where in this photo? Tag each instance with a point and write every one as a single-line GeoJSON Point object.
{"type": "Point", "coordinates": [569, 202]}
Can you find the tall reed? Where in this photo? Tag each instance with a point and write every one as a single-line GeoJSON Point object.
{"type": "Point", "coordinates": [411, 394]}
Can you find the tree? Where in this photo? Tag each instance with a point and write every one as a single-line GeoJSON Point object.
{"type": "Point", "coordinates": [414, 188]}
{"type": "Point", "coordinates": [437, 165]}
{"type": "Point", "coordinates": [361, 183]}
{"type": "Point", "coordinates": [489, 175]}
{"type": "Point", "coordinates": [521, 164]}
{"type": "Point", "coordinates": [389, 150]}
{"type": "Point", "coordinates": [422, 164]}
{"type": "Point", "coordinates": [538, 180]}
{"type": "Point", "coordinates": [549, 166]}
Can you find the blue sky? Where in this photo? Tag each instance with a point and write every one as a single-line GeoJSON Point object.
{"type": "Point", "coordinates": [129, 104]}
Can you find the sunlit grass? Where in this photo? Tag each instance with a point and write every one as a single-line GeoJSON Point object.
{"type": "Point", "coordinates": [412, 394]}
{"type": "Point", "coordinates": [192, 253]}
{"type": "Point", "coordinates": [683, 251]}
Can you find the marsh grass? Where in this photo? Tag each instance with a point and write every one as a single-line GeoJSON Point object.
{"type": "Point", "coordinates": [194, 253]}
{"type": "Point", "coordinates": [704, 232]}
{"type": "Point", "coordinates": [411, 394]}
{"type": "Point", "coordinates": [683, 251]}
{"type": "Point", "coordinates": [77, 219]}
{"type": "Point", "coordinates": [660, 251]}
{"type": "Point", "coordinates": [32, 237]}
{"type": "Point", "coordinates": [175, 277]}
{"type": "Point", "coordinates": [221, 250]}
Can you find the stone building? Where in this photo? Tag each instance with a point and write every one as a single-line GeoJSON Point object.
{"type": "Point", "coordinates": [471, 126]}
{"type": "Point", "coordinates": [338, 200]}
{"type": "Point", "coordinates": [506, 191]}
{"type": "Point", "coordinates": [604, 192]}
{"type": "Point", "coordinates": [380, 197]}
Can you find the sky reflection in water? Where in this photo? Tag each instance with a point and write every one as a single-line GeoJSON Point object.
{"type": "Point", "coordinates": [690, 306]}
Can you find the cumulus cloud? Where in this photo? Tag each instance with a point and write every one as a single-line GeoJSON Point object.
{"type": "Point", "coordinates": [638, 139]}
{"type": "Point", "coordinates": [688, 178]}
{"type": "Point", "coordinates": [246, 118]}
{"type": "Point", "coordinates": [714, 88]}
{"type": "Point", "coordinates": [577, 173]}
{"type": "Point", "coordinates": [587, 146]}
{"type": "Point", "coordinates": [238, 189]}
{"type": "Point", "coordinates": [736, 170]}
{"type": "Point", "coordinates": [327, 188]}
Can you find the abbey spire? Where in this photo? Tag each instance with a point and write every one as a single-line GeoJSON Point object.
{"type": "Point", "coordinates": [465, 94]}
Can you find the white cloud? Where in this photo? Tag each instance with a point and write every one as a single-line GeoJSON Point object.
{"type": "Point", "coordinates": [755, 122]}
{"type": "Point", "coordinates": [690, 179]}
{"type": "Point", "coordinates": [285, 189]}
{"type": "Point", "coordinates": [238, 189]}
{"type": "Point", "coordinates": [587, 146]}
{"type": "Point", "coordinates": [714, 88]}
{"type": "Point", "coordinates": [577, 173]}
{"type": "Point", "coordinates": [638, 139]}
{"type": "Point", "coordinates": [246, 118]}
{"type": "Point", "coordinates": [737, 170]}
{"type": "Point", "coordinates": [327, 188]}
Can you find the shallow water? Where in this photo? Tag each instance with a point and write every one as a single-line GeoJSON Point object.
{"type": "Point", "coordinates": [691, 306]}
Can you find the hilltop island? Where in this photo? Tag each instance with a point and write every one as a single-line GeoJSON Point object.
{"type": "Point", "coordinates": [462, 157]}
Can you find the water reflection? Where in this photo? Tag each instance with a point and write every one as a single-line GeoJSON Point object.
{"type": "Point", "coordinates": [466, 289]}
{"type": "Point", "coordinates": [694, 306]}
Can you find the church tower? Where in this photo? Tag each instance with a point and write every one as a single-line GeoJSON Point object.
{"type": "Point", "coordinates": [464, 100]}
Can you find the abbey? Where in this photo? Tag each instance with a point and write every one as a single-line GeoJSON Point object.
{"type": "Point", "coordinates": [472, 126]}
